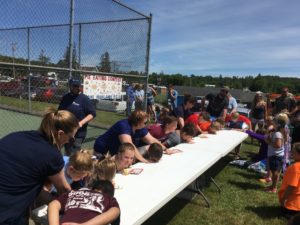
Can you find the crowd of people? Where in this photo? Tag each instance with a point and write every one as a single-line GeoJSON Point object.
{"type": "Point", "coordinates": [79, 186]}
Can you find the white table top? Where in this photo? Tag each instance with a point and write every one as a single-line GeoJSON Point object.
{"type": "Point", "coordinates": [140, 196]}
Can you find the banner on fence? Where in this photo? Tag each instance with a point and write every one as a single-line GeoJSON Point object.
{"type": "Point", "coordinates": [102, 87]}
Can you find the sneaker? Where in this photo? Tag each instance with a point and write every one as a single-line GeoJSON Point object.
{"type": "Point", "coordinates": [265, 180]}
{"type": "Point", "coordinates": [271, 190]}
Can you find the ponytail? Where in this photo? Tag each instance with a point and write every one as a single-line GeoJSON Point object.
{"type": "Point", "coordinates": [55, 120]}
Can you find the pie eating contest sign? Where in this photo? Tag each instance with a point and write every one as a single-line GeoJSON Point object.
{"type": "Point", "coordinates": [102, 87]}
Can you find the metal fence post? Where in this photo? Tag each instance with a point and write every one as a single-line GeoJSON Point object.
{"type": "Point", "coordinates": [29, 73]}
{"type": "Point", "coordinates": [79, 46]}
{"type": "Point", "coordinates": [147, 57]}
{"type": "Point", "coordinates": [71, 38]}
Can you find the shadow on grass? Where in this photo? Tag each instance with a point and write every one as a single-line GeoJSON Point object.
{"type": "Point", "coordinates": [265, 212]}
{"type": "Point", "coordinates": [249, 155]}
{"type": "Point", "coordinates": [167, 212]}
{"type": "Point", "coordinates": [246, 174]}
{"type": "Point", "coordinates": [245, 186]}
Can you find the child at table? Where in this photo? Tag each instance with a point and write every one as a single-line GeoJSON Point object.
{"type": "Point", "coordinates": [154, 152]}
{"type": "Point", "coordinates": [124, 157]}
{"type": "Point", "coordinates": [77, 167]}
{"type": "Point", "coordinates": [222, 122]}
{"type": "Point", "coordinates": [201, 122]}
{"type": "Point", "coordinates": [185, 135]}
{"type": "Point", "coordinates": [104, 170]}
{"type": "Point", "coordinates": [204, 122]}
{"type": "Point", "coordinates": [236, 123]}
{"type": "Point", "coordinates": [214, 127]}
{"type": "Point", "coordinates": [289, 193]}
{"type": "Point", "coordinates": [95, 203]}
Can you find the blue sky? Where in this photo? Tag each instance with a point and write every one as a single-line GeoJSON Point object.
{"type": "Point", "coordinates": [201, 37]}
{"type": "Point", "coordinates": [228, 37]}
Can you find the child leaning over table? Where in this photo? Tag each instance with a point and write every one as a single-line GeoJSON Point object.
{"type": "Point", "coordinates": [185, 135]}
{"type": "Point", "coordinates": [154, 152]}
{"type": "Point", "coordinates": [95, 205]}
{"type": "Point", "coordinates": [289, 193]}
{"type": "Point", "coordinates": [77, 167]}
{"type": "Point", "coordinates": [104, 169]}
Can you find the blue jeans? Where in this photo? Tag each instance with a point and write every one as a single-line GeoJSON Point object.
{"type": "Point", "coordinates": [128, 107]}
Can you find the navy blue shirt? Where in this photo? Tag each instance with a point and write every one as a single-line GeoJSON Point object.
{"type": "Point", "coordinates": [27, 159]}
{"type": "Point", "coordinates": [130, 93]}
{"type": "Point", "coordinates": [81, 106]}
{"type": "Point", "coordinates": [109, 141]}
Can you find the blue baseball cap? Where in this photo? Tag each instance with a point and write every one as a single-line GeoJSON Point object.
{"type": "Point", "coordinates": [74, 82]}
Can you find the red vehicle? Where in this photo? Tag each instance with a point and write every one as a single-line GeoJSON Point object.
{"type": "Point", "coordinates": [50, 94]}
{"type": "Point", "coordinates": [6, 87]}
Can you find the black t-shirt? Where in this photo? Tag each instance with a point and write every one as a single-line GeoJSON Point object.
{"type": "Point", "coordinates": [216, 104]}
{"type": "Point", "coordinates": [27, 159]}
{"type": "Point", "coordinates": [181, 112]}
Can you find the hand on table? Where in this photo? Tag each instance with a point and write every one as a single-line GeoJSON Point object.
{"type": "Point", "coordinates": [172, 151]}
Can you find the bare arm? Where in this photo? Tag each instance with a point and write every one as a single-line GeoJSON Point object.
{"type": "Point", "coordinates": [266, 112]}
{"type": "Point", "coordinates": [102, 219]}
{"type": "Point", "coordinates": [125, 138]}
{"type": "Point", "coordinates": [180, 122]}
{"type": "Point", "coordinates": [153, 91]}
{"type": "Point", "coordinates": [59, 181]}
{"type": "Point", "coordinates": [53, 212]}
{"type": "Point", "coordinates": [86, 119]}
{"type": "Point", "coordinates": [224, 113]}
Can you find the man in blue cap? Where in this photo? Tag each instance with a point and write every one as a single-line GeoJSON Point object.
{"type": "Point", "coordinates": [82, 107]}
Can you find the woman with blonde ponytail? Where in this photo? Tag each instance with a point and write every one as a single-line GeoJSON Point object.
{"type": "Point", "coordinates": [28, 159]}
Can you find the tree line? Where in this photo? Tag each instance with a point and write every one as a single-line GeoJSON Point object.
{"type": "Point", "coordinates": [266, 83]}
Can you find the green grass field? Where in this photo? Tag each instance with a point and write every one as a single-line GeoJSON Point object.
{"type": "Point", "coordinates": [241, 202]}
{"type": "Point", "coordinates": [103, 119]}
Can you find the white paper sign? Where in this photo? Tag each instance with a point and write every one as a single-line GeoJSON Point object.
{"type": "Point", "coordinates": [102, 87]}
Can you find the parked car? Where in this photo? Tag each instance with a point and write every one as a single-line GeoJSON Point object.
{"type": "Point", "coordinates": [50, 94]}
{"type": "Point", "coordinates": [7, 86]}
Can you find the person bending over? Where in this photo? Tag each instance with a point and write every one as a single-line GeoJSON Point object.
{"type": "Point", "coordinates": [94, 204]}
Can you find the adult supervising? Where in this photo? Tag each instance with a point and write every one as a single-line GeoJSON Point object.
{"type": "Point", "coordinates": [28, 160]}
{"type": "Point", "coordinates": [131, 130]}
{"type": "Point", "coordinates": [82, 107]}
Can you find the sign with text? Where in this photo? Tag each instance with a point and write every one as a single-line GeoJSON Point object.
{"type": "Point", "coordinates": [102, 87]}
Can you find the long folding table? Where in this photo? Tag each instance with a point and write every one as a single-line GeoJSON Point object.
{"type": "Point", "coordinates": [140, 196]}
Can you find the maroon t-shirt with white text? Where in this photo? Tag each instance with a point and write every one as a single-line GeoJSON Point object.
{"type": "Point", "coordinates": [84, 204]}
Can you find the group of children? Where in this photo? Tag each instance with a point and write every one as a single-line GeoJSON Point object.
{"type": "Point", "coordinates": [275, 147]}
{"type": "Point", "coordinates": [92, 179]}
{"type": "Point", "coordinates": [92, 182]}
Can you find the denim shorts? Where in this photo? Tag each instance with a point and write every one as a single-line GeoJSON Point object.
{"type": "Point", "coordinates": [275, 163]}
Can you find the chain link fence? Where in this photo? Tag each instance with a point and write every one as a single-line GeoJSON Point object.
{"type": "Point", "coordinates": [43, 44]}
